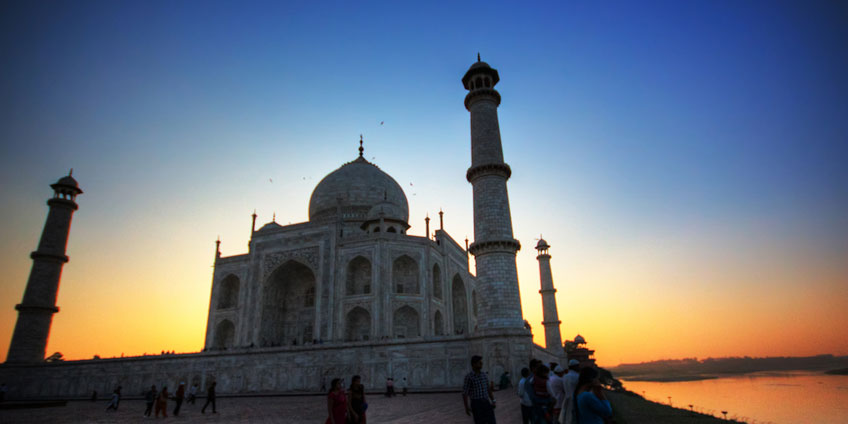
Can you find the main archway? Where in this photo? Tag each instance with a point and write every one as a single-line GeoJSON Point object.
{"type": "Point", "coordinates": [288, 309]}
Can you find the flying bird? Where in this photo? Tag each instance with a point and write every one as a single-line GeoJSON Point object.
{"type": "Point", "coordinates": [381, 122]}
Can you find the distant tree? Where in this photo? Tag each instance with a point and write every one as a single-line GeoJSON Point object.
{"type": "Point", "coordinates": [55, 357]}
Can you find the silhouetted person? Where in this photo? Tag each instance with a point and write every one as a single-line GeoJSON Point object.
{"type": "Point", "coordinates": [403, 389]}
{"type": "Point", "coordinates": [480, 391]}
{"type": "Point", "coordinates": [337, 406]}
{"type": "Point", "coordinates": [116, 399]}
{"type": "Point", "coordinates": [505, 382]}
{"type": "Point", "coordinates": [356, 398]}
{"type": "Point", "coordinates": [390, 387]}
{"type": "Point", "coordinates": [149, 398]}
{"type": "Point", "coordinates": [592, 406]}
{"type": "Point", "coordinates": [210, 398]}
{"type": "Point", "coordinates": [162, 403]}
{"type": "Point", "coordinates": [94, 395]}
{"type": "Point", "coordinates": [526, 402]}
{"type": "Point", "coordinates": [543, 401]}
{"type": "Point", "coordinates": [192, 394]}
{"type": "Point", "coordinates": [178, 398]}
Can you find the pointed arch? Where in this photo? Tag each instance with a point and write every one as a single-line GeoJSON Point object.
{"type": "Point", "coordinates": [460, 306]}
{"type": "Point", "coordinates": [229, 292]}
{"type": "Point", "coordinates": [405, 275]}
{"type": "Point", "coordinates": [437, 281]}
{"type": "Point", "coordinates": [225, 333]}
{"type": "Point", "coordinates": [438, 324]}
{"type": "Point", "coordinates": [358, 324]}
{"type": "Point", "coordinates": [406, 323]}
{"type": "Point", "coordinates": [358, 276]}
{"type": "Point", "coordinates": [288, 309]}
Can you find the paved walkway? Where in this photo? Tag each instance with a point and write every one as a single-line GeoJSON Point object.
{"type": "Point", "coordinates": [441, 408]}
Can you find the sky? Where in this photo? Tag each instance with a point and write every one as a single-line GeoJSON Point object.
{"type": "Point", "coordinates": [685, 160]}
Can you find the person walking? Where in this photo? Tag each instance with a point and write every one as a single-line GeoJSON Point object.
{"type": "Point", "coordinates": [192, 394]}
{"type": "Point", "coordinates": [149, 398]}
{"type": "Point", "coordinates": [210, 398]}
{"type": "Point", "coordinates": [162, 403]}
{"type": "Point", "coordinates": [337, 406]}
{"type": "Point", "coordinates": [115, 400]}
{"type": "Point", "coordinates": [477, 388]}
{"type": "Point", "coordinates": [356, 398]}
{"type": "Point", "coordinates": [178, 398]}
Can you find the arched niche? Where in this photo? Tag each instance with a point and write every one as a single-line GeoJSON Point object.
{"type": "Point", "coordinates": [358, 324]}
{"type": "Point", "coordinates": [437, 281]}
{"type": "Point", "coordinates": [229, 292]}
{"type": "Point", "coordinates": [225, 333]}
{"type": "Point", "coordinates": [288, 308]}
{"type": "Point", "coordinates": [438, 324]}
{"type": "Point", "coordinates": [406, 323]}
{"type": "Point", "coordinates": [460, 306]}
{"type": "Point", "coordinates": [405, 275]}
{"type": "Point", "coordinates": [358, 276]}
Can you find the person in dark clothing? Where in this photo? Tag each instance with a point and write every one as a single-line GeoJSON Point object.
{"type": "Point", "coordinates": [116, 399]}
{"type": "Point", "coordinates": [178, 398]}
{"type": "Point", "coordinates": [150, 397]}
{"type": "Point", "coordinates": [480, 391]}
{"type": "Point", "coordinates": [210, 398]}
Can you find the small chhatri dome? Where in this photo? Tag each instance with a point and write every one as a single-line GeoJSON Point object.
{"type": "Point", "coordinates": [542, 244]}
{"type": "Point", "coordinates": [386, 210]}
{"type": "Point", "coordinates": [579, 339]}
{"type": "Point", "coordinates": [357, 187]}
{"type": "Point", "coordinates": [67, 185]}
{"type": "Point", "coordinates": [480, 68]}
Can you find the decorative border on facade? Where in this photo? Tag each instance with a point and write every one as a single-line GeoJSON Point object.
{"type": "Point", "coordinates": [499, 169]}
{"type": "Point", "coordinates": [492, 246]}
{"type": "Point", "coordinates": [306, 254]}
{"type": "Point", "coordinates": [489, 93]}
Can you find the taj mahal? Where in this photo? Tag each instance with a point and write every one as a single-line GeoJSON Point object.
{"type": "Point", "coordinates": [347, 292]}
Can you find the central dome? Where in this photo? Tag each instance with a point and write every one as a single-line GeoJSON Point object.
{"type": "Point", "coordinates": [359, 186]}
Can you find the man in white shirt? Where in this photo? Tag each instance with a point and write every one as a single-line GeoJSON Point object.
{"type": "Point", "coordinates": [569, 385]}
{"type": "Point", "coordinates": [557, 389]}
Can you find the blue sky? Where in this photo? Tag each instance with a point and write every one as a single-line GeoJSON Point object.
{"type": "Point", "coordinates": [707, 133]}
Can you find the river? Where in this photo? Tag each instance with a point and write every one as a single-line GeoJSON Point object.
{"type": "Point", "coordinates": [779, 398]}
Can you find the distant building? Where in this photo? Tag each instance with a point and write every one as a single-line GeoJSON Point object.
{"type": "Point", "coordinates": [575, 349]}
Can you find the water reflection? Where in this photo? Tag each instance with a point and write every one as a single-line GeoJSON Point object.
{"type": "Point", "coordinates": [781, 398]}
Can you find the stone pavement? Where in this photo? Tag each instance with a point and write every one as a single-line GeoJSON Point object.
{"type": "Point", "coordinates": [440, 408]}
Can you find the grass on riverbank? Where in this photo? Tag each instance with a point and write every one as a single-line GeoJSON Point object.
{"type": "Point", "coordinates": [630, 408]}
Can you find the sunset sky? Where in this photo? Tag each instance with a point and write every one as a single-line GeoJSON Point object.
{"type": "Point", "coordinates": [687, 161]}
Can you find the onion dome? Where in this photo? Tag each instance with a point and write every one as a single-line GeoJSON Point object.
{"type": "Point", "coordinates": [354, 189]}
{"type": "Point", "coordinates": [542, 245]}
{"type": "Point", "coordinates": [579, 339]}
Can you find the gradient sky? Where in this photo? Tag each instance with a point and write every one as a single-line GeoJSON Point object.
{"type": "Point", "coordinates": [685, 160]}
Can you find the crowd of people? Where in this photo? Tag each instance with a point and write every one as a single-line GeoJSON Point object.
{"type": "Point", "coordinates": [157, 400]}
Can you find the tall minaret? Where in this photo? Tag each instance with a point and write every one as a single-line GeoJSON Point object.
{"type": "Point", "coordinates": [35, 312]}
{"type": "Point", "coordinates": [553, 340]}
{"type": "Point", "coordinates": [494, 247]}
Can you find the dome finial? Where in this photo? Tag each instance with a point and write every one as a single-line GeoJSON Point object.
{"type": "Point", "coordinates": [478, 56]}
{"type": "Point", "coordinates": [361, 149]}
{"type": "Point", "coordinates": [71, 172]}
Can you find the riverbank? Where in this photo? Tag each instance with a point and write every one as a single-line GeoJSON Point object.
{"type": "Point", "coordinates": [630, 408]}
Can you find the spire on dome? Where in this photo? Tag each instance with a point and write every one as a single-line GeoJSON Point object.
{"type": "Point", "coordinates": [361, 149]}
{"type": "Point", "coordinates": [478, 56]}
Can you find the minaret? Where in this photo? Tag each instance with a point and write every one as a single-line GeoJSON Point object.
{"type": "Point", "coordinates": [35, 312]}
{"type": "Point", "coordinates": [553, 340]}
{"type": "Point", "coordinates": [494, 248]}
